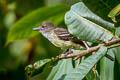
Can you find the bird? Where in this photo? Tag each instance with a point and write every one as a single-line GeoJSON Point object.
{"type": "Point", "coordinates": [59, 37]}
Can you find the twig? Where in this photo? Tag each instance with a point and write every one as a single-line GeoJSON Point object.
{"type": "Point", "coordinates": [90, 50]}
{"type": "Point", "coordinates": [86, 46]}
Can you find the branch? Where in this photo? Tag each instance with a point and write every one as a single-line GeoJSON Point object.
{"type": "Point", "coordinates": [92, 49]}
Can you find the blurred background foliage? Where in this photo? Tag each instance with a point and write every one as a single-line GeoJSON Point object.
{"type": "Point", "coordinates": [15, 56]}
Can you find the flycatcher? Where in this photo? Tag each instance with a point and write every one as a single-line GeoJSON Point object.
{"type": "Point", "coordinates": [60, 37]}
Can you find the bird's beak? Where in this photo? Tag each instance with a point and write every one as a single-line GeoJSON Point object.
{"type": "Point", "coordinates": [36, 29]}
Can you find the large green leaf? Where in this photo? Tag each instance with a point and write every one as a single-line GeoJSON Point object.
{"type": "Point", "coordinates": [116, 71]}
{"type": "Point", "coordinates": [56, 2]}
{"type": "Point", "coordinates": [85, 66]}
{"type": "Point", "coordinates": [23, 28]}
{"type": "Point", "coordinates": [85, 25]}
{"type": "Point", "coordinates": [107, 67]}
{"type": "Point", "coordinates": [117, 49]}
{"type": "Point", "coordinates": [61, 69]}
{"type": "Point", "coordinates": [117, 53]}
{"type": "Point", "coordinates": [24, 6]}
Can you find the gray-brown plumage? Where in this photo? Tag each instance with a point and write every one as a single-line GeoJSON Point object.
{"type": "Point", "coordinates": [60, 37]}
{"type": "Point", "coordinates": [63, 34]}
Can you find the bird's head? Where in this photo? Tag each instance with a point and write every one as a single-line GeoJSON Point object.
{"type": "Point", "coordinates": [45, 27]}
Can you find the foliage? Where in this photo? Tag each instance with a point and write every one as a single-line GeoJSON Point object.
{"type": "Point", "coordinates": [82, 18]}
{"type": "Point", "coordinates": [81, 71]}
{"type": "Point", "coordinates": [27, 53]}
{"type": "Point", "coordinates": [33, 20]}
{"type": "Point", "coordinates": [107, 71]}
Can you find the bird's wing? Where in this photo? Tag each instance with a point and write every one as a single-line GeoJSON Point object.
{"type": "Point", "coordinates": [63, 34]}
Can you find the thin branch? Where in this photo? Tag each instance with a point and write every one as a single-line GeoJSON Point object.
{"type": "Point", "coordinates": [90, 50]}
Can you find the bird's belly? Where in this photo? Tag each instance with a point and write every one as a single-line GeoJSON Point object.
{"type": "Point", "coordinates": [66, 44]}
{"type": "Point", "coordinates": [63, 44]}
{"type": "Point", "coordinates": [58, 42]}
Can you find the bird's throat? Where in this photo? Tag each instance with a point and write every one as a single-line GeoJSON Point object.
{"type": "Point", "coordinates": [48, 35]}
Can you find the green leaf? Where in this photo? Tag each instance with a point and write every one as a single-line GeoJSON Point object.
{"type": "Point", "coordinates": [114, 12]}
{"type": "Point", "coordinates": [101, 7]}
{"type": "Point", "coordinates": [85, 66]}
{"type": "Point", "coordinates": [85, 25]}
{"type": "Point", "coordinates": [61, 69]}
{"type": "Point", "coordinates": [56, 2]}
{"type": "Point", "coordinates": [23, 28]}
{"type": "Point", "coordinates": [24, 6]}
{"type": "Point", "coordinates": [117, 53]}
{"type": "Point", "coordinates": [107, 67]}
{"type": "Point", "coordinates": [92, 76]}
{"type": "Point", "coordinates": [37, 67]}
{"type": "Point", "coordinates": [116, 71]}
{"type": "Point", "coordinates": [117, 32]}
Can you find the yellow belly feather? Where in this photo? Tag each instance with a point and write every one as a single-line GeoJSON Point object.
{"type": "Point", "coordinates": [65, 44]}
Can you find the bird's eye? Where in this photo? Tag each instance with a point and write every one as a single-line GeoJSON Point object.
{"type": "Point", "coordinates": [43, 27]}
